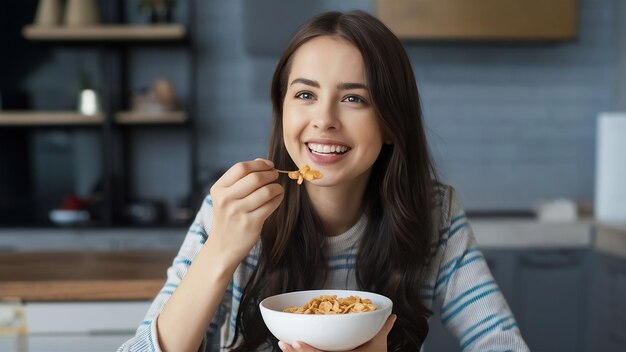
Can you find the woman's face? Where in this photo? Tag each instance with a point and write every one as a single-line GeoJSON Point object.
{"type": "Point", "coordinates": [328, 119]}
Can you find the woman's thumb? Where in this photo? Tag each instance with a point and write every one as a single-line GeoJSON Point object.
{"type": "Point", "coordinates": [388, 324]}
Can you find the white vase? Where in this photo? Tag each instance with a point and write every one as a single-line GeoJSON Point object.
{"type": "Point", "coordinates": [610, 193]}
{"type": "Point", "coordinates": [88, 102]}
{"type": "Point", "coordinates": [48, 13]}
{"type": "Point", "coordinates": [81, 13]}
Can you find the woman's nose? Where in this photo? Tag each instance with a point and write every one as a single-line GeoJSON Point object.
{"type": "Point", "coordinates": [326, 118]}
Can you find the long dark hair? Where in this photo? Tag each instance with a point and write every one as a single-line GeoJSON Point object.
{"type": "Point", "coordinates": [394, 252]}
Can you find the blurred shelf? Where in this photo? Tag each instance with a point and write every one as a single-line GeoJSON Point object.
{"type": "Point", "coordinates": [106, 33]}
{"type": "Point", "coordinates": [139, 118]}
{"type": "Point", "coordinates": [47, 118]}
{"type": "Point", "coordinates": [83, 276]}
{"type": "Point", "coordinates": [22, 228]}
{"type": "Point", "coordinates": [92, 225]}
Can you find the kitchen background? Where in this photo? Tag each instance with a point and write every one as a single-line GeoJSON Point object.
{"type": "Point", "coordinates": [511, 124]}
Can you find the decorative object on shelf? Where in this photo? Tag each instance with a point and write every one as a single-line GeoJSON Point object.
{"type": "Point", "coordinates": [161, 11]}
{"type": "Point", "coordinates": [69, 217]}
{"type": "Point", "coordinates": [557, 210]}
{"type": "Point", "coordinates": [182, 213]}
{"type": "Point", "coordinates": [145, 212]}
{"type": "Point", "coordinates": [48, 13]}
{"type": "Point", "coordinates": [73, 211]}
{"type": "Point", "coordinates": [81, 13]}
{"type": "Point", "coordinates": [88, 99]}
{"type": "Point", "coordinates": [88, 102]}
{"type": "Point", "coordinates": [160, 98]}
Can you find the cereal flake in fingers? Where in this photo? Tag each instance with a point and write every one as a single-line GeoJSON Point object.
{"type": "Point", "coordinates": [303, 174]}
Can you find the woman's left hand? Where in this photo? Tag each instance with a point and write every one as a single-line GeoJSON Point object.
{"type": "Point", "coordinates": [377, 344]}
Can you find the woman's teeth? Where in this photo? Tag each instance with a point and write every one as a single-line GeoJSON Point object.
{"type": "Point", "coordinates": [327, 148]}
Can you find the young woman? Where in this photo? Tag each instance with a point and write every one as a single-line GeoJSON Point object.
{"type": "Point", "coordinates": [345, 102]}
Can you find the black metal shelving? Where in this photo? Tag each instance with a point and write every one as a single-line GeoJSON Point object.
{"type": "Point", "coordinates": [113, 45]}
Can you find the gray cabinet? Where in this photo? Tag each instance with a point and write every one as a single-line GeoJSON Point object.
{"type": "Point", "coordinates": [549, 300]}
{"type": "Point", "coordinates": [438, 339]}
{"type": "Point", "coordinates": [545, 290]}
{"type": "Point", "coordinates": [608, 310]}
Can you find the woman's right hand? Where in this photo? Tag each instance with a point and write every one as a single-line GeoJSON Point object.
{"type": "Point", "coordinates": [243, 198]}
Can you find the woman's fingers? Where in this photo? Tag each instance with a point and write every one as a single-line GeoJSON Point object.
{"type": "Point", "coordinates": [251, 183]}
{"type": "Point", "coordinates": [241, 169]}
{"type": "Point", "coordinates": [384, 331]}
{"type": "Point", "coordinates": [262, 199]}
{"type": "Point", "coordinates": [243, 198]}
{"type": "Point", "coordinates": [377, 344]}
{"type": "Point", "coordinates": [285, 347]}
{"type": "Point", "coordinates": [296, 347]}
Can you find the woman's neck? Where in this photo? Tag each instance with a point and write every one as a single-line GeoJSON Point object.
{"type": "Point", "coordinates": [339, 207]}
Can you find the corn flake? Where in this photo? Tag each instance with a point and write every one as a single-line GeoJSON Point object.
{"type": "Point", "coordinates": [327, 304]}
{"type": "Point", "coordinates": [303, 174]}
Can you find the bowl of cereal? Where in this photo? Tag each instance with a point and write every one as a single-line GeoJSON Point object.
{"type": "Point", "coordinates": [329, 320]}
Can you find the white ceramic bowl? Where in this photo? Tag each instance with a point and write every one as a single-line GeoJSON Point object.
{"type": "Point", "coordinates": [68, 217]}
{"type": "Point", "coordinates": [340, 332]}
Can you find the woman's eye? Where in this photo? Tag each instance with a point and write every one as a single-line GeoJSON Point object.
{"type": "Point", "coordinates": [304, 95]}
{"type": "Point", "coordinates": [354, 99]}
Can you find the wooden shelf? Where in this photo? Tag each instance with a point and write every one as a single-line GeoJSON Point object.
{"type": "Point", "coordinates": [137, 118]}
{"type": "Point", "coordinates": [482, 20]}
{"type": "Point", "coordinates": [46, 118]}
{"type": "Point", "coordinates": [83, 276]}
{"type": "Point", "coordinates": [106, 32]}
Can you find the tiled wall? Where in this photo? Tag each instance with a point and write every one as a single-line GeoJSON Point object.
{"type": "Point", "coordinates": [508, 124]}
{"type": "Point", "coordinates": [620, 26]}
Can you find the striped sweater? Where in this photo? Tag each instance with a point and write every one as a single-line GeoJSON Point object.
{"type": "Point", "coordinates": [459, 284]}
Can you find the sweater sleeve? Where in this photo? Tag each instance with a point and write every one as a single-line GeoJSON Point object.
{"type": "Point", "coordinates": [472, 306]}
{"type": "Point", "coordinates": [146, 338]}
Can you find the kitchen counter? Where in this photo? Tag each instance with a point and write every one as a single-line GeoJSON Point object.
{"type": "Point", "coordinates": [91, 239]}
{"type": "Point", "coordinates": [83, 275]}
{"type": "Point", "coordinates": [528, 233]}
{"type": "Point", "coordinates": [610, 239]}
{"type": "Point", "coordinates": [520, 233]}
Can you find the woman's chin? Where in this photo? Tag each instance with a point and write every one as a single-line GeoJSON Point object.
{"type": "Point", "coordinates": [321, 183]}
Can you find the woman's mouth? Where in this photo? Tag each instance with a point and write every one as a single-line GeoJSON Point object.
{"type": "Point", "coordinates": [324, 154]}
{"type": "Point", "coordinates": [327, 149]}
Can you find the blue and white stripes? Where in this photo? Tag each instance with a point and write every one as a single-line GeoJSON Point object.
{"type": "Point", "coordinates": [197, 229]}
{"type": "Point", "coordinates": [485, 326]}
{"type": "Point", "coordinates": [469, 256]}
{"type": "Point", "coordinates": [471, 305]}
{"type": "Point", "coordinates": [341, 262]}
{"type": "Point", "coordinates": [457, 224]}
{"type": "Point", "coordinates": [466, 299]}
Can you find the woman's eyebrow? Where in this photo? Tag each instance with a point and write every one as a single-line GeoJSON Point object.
{"type": "Point", "coordinates": [340, 86]}
{"type": "Point", "coordinates": [348, 86]}
{"type": "Point", "coordinates": [308, 82]}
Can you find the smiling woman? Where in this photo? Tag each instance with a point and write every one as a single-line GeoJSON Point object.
{"type": "Point", "coordinates": [326, 107]}
{"type": "Point", "coordinates": [345, 102]}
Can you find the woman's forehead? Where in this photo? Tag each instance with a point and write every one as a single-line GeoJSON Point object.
{"type": "Point", "coordinates": [328, 59]}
